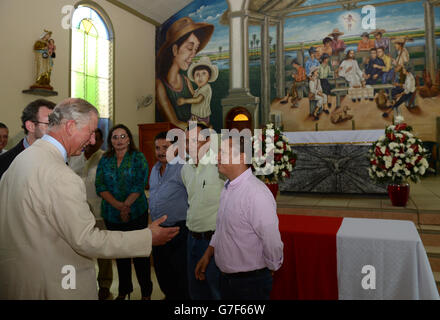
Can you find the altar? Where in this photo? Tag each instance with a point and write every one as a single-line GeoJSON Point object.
{"type": "Point", "coordinates": [332, 162]}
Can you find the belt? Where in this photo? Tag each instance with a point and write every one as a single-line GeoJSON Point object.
{"type": "Point", "coordinates": [246, 274]}
{"type": "Point", "coordinates": [202, 235]}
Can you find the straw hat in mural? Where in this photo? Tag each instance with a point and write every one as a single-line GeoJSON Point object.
{"type": "Point", "coordinates": [204, 61]}
{"type": "Point", "coordinates": [336, 32]}
{"type": "Point", "coordinates": [401, 40]}
{"type": "Point", "coordinates": [381, 31]}
{"type": "Point", "coordinates": [185, 26]}
{"type": "Point", "coordinates": [312, 69]}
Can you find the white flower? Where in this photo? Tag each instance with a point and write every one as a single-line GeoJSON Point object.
{"type": "Point", "coordinates": [416, 169]}
{"type": "Point", "coordinates": [422, 170]}
{"type": "Point", "coordinates": [382, 138]}
{"type": "Point", "coordinates": [283, 174]}
{"type": "Point", "coordinates": [382, 149]}
{"type": "Point", "coordinates": [269, 126]}
{"type": "Point", "coordinates": [407, 172]}
{"type": "Point", "coordinates": [424, 163]}
{"type": "Point", "coordinates": [280, 144]}
{"type": "Point", "coordinates": [288, 148]}
{"type": "Point", "coordinates": [285, 139]}
{"type": "Point", "coordinates": [373, 168]}
{"type": "Point", "coordinates": [286, 158]}
{"type": "Point", "coordinates": [398, 119]}
{"type": "Point", "coordinates": [410, 142]}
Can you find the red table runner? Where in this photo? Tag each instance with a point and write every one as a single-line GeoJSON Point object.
{"type": "Point", "coordinates": [309, 270]}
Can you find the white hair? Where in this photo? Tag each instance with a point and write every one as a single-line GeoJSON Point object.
{"type": "Point", "coordinates": [75, 109]}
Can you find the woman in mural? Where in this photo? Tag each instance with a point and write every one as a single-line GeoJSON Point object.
{"type": "Point", "coordinates": [184, 39]}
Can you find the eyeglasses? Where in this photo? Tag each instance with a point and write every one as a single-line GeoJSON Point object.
{"type": "Point", "coordinates": [116, 137]}
{"type": "Point", "coordinates": [46, 123]}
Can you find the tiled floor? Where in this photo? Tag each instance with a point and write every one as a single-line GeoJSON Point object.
{"type": "Point", "coordinates": [136, 294]}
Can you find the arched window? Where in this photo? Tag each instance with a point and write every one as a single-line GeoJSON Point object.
{"type": "Point", "coordinates": [92, 59]}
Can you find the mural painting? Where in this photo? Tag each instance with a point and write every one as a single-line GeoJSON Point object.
{"type": "Point", "coordinates": [339, 74]}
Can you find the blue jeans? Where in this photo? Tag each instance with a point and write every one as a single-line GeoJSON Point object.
{"type": "Point", "coordinates": [207, 289]}
{"type": "Point", "coordinates": [255, 287]}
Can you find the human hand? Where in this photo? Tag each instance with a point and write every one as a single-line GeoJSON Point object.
{"type": "Point", "coordinates": [159, 235]}
{"type": "Point", "coordinates": [125, 214]}
{"type": "Point", "coordinates": [349, 69]}
{"type": "Point", "coordinates": [375, 76]}
{"type": "Point", "coordinates": [180, 101]}
{"type": "Point", "coordinates": [203, 264]}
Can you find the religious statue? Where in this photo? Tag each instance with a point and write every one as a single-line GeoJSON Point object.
{"type": "Point", "coordinates": [44, 50]}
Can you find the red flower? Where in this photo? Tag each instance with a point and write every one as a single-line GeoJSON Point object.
{"type": "Point", "coordinates": [387, 152]}
{"type": "Point", "coordinates": [378, 152]}
{"type": "Point", "coordinates": [287, 173]}
{"type": "Point", "coordinates": [409, 166]}
{"type": "Point", "coordinates": [373, 162]}
{"type": "Point", "coordinates": [292, 161]}
{"type": "Point", "coordinates": [284, 146]}
{"type": "Point", "coordinates": [393, 162]}
{"type": "Point", "coordinates": [401, 126]}
{"type": "Point", "coordinates": [415, 147]}
{"type": "Point", "coordinates": [391, 136]}
{"type": "Point", "coordinates": [276, 138]}
{"type": "Point", "coordinates": [419, 158]}
{"type": "Point", "coordinates": [278, 157]}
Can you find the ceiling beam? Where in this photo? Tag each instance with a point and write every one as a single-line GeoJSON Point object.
{"type": "Point", "coordinates": [317, 6]}
{"type": "Point", "coordinates": [268, 5]}
{"type": "Point", "coordinates": [380, 4]}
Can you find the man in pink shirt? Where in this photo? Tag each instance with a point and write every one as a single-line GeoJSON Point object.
{"type": "Point", "coordinates": [246, 245]}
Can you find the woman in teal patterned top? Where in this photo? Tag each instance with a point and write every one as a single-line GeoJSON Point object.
{"type": "Point", "coordinates": [121, 178]}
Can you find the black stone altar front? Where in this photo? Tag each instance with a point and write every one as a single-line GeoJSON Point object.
{"type": "Point", "coordinates": [339, 168]}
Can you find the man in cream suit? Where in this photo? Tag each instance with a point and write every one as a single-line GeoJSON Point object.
{"type": "Point", "coordinates": [48, 237]}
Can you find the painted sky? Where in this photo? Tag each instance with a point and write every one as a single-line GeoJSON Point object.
{"type": "Point", "coordinates": [391, 18]}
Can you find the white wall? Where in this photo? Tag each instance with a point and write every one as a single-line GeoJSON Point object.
{"type": "Point", "coordinates": [21, 24]}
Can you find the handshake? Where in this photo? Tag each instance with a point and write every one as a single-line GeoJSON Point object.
{"type": "Point", "coordinates": [160, 235]}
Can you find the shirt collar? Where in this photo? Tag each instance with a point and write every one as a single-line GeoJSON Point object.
{"type": "Point", "coordinates": [237, 181]}
{"type": "Point", "coordinates": [25, 143]}
{"type": "Point", "coordinates": [57, 144]}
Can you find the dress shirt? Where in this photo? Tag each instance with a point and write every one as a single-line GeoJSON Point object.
{"type": "Point", "coordinates": [324, 71]}
{"type": "Point", "coordinates": [247, 236]}
{"type": "Point", "coordinates": [338, 46]}
{"type": "Point", "coordinates": [388, 63]}
{"type": "Point", "coordinates": [203, 185]}
{"type": "Point", "coordinates": [25, 143]}
{"type": "Point", "coordinates": [383, 42]}
{"type": "Point", "coordinates": [410, 84]}
{"type": "Point", "coordinates": [56, 143]}
{"type": "Point", "coordinates": [3, 151]}
{"type": "Point", "coordinates": [168, 194]}
{"type": "Point", "coordinates": [311, 63]}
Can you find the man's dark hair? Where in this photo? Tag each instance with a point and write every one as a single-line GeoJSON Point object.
{"type": "Point", "coordinates": [30, 113]}
{"type": "Point", "coordinates": [383, 48]}
{"type": "Point", "coordinates": [326, 40]}
{"type": "Point", "coordinates": [373, 49]}
{"type": "Point", "coordinates": [163, 136]}
{"type": "Point", "coordinates": [202, 67]}
{"type": "Point", "coordinates": [3, 126]}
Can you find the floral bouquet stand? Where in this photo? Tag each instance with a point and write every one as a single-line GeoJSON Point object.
{"type": "Point", "coordinates": [273, 158]}
{"type": "Point", "coordinates": [397, 157]}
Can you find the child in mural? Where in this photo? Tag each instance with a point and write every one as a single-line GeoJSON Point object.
{"type": "Point", "coordinates": [387, 68]}
{"type": "Point", "coordinates": [366, 43]}
{"type": "Point", "coordinates": [201, 73]}
{"type": "Point", "coordinates": [373, 75]}
{"type": "Point", "coordinates": [324, 73]}
{"type": "Point", "coordinates": [402, 58]}
{"type": "Point", "coordinates": [380, 41]}
{"type": "Point", "coordinates": [312, 61]}
{"type": "Point", "coordinates": [349, 20]}
{"type": "Point", "coordinates": [316, 93]}
{"type": "Point", "coordinates": [184, 39]}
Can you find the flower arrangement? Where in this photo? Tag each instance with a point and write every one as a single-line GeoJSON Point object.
{"type": "Point", "coordinates": [278, 160]}
{"type": "Point", "coordinates": [398, 155]}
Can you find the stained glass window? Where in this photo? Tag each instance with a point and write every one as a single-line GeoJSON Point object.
{"type": "Point", "coordinates": [92, 60]}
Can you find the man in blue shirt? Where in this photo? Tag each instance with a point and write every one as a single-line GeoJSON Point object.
{"type": "Point", "coordinates": [312, 61]}
{"type": "Point", "coordinates": [168, 196]}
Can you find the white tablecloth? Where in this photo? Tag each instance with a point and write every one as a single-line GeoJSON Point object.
{"type": "Point", "coordinates": [339, 136]}
{"type": "Point", "coordinates": [396, 252]}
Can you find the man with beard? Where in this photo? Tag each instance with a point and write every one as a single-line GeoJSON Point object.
{"type": "Point", "coordinates": [35, 121]}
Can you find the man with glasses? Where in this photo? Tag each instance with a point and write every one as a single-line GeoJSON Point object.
{"type": "Point", "coordinates": [35, 121]}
